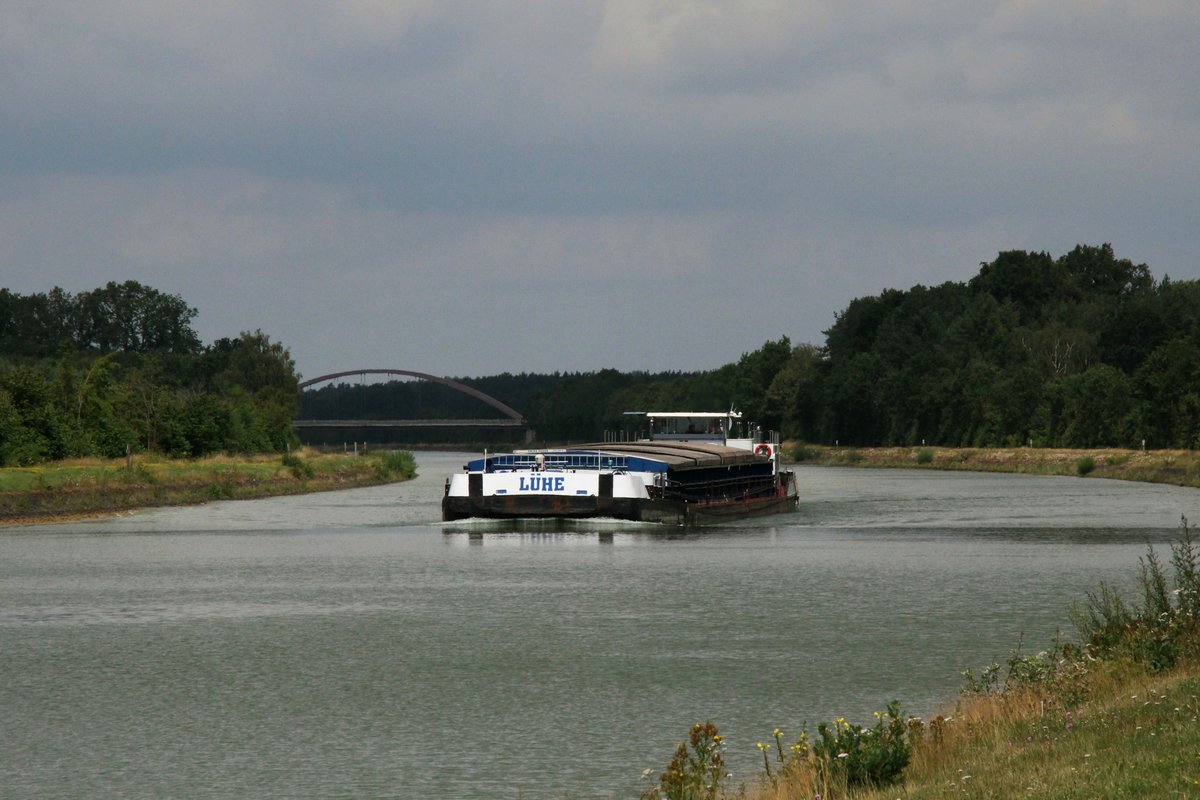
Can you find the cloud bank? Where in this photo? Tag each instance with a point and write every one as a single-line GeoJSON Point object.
{"type": "Point", "coordinates": [470, 188]}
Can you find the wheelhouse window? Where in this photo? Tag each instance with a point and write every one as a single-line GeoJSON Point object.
{"type": "Point", "coordinates": [686, 426]}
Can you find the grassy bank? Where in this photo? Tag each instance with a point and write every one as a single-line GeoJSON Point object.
{"type": "Point", "coordinates": [90, 487]}
{"type": "Point", "coordinates": [1178, 467]}
{"type": "Point", "coordinates": [1133, 734]}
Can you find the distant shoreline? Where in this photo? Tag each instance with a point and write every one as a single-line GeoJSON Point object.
{"type": "Point", "coordinates": [95, 488]}
{"type": "Point", "coordinates": [1174, 467]}
{"type": "Point", "coordinates": [70, 491]}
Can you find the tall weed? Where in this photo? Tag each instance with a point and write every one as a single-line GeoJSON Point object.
{"type": "Point", "coordinates": [1166, 621]}
{"type": "Point", "coordinates": [695, 773]}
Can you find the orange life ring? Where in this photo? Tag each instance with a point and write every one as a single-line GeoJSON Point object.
{"type": "Point", "coordinates": [763, 450]}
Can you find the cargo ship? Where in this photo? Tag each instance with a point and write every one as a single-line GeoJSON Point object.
{"type": "Point", "coordinates": [691, 468]}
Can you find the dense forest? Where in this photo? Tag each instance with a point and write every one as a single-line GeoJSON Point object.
{"type": "Point", "coordinates": [94, 373]}
{"type": "Point", "coordinates": [1083, 350]}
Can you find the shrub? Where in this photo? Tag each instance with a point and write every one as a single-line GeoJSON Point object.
{"type": "Point", "coordinates": [803, 452]}
{"type": "Point", "coordinates": [139, 473]}
{"type": "Point", "coordinates": [1085, 465]}
{"type": "Point", "coordinates": [299, 468]}
{"type": "Point", "coordinates": [872, 756]}
{"type": "Point", "coordinates": [987, 682]}
{"type": "Point", "coordinates": [925, 455]}
{"type": "Point", "coordinates": [397, 464]}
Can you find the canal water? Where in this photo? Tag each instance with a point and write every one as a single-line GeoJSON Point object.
{"type": "Point", "coordinates": [350, 645]}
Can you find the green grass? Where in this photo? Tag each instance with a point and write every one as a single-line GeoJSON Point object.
{"type": "Point", "coordinates": [95, 486]}
{"type": "Point", "coordinates": [1139, 737]}
{"type": "Point", "coordinates": [1125, 732]}
{"type": "Point", "coordinates": [1180, 468]}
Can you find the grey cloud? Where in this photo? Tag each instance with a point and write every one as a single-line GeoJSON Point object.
{"type": "Point", "coordinates": [372, 151]}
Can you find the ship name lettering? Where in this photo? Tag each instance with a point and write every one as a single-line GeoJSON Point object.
{"type": "Point", "coordinates": [537, 483]}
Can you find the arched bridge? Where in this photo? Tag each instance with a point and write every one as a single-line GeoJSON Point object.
{"type": "Point", "coordinates": [512, 417]}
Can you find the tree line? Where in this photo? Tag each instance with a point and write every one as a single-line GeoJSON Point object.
{"type": "Point", "coordinates": [120, 367]}
{"type": "Point", "coordinates": [1083, 350]}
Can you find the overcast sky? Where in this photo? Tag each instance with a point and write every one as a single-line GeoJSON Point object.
{"type": "Point", "coordinates": [468, 188]}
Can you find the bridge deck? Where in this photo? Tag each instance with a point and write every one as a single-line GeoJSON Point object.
{"type": "Point", "coordinates": [408, 423]}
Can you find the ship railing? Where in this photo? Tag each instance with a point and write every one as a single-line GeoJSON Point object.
{"type": "Point", "coordinates": [557, 461]}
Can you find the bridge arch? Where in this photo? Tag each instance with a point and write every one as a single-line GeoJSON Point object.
{"type": "Point", "coordinates": [508, 411]}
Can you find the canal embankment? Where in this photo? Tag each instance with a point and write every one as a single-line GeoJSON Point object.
{"type": "Point", "coordinates": [83, 488]}
{"type": "Point", "coordinates": [1175, 467]}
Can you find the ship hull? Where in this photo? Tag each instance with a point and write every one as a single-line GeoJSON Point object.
{"type": "Point", "coordinates": [669, 481]}
{"type": "Point", "coordinates": [637, 509]}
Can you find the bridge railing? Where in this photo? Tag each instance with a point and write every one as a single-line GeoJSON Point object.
{"type": "Point", "coordinates": [408, 423]}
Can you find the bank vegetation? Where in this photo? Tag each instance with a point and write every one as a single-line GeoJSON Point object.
{"type": "Point", "coordinates": [89, 487]}
{"type": "Point", "coordinates": [119, 370]}
{"type": "Point", "coordinates": [1175, 467]}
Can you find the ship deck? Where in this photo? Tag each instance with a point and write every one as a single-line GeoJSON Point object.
{"type": "Point", "coordinates": [676, 455]}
